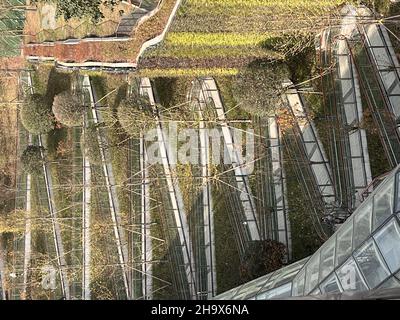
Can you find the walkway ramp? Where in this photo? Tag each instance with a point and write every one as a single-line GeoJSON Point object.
{"type": "Point", "coordinates": [279, 188]}
{"type": "Point", "coordinates": [210, 93]}
{"type": "Point", "coordinates": [174, 192]}
{"type": "Point", "coordinates": [349, 150]}
{"type": "Point", "coordinates": [119, 232]}
{"type": "Point", "coordinates": [207, 283]}
{"type": "Point", "coordinates": [312, 144]}
{"type": "Point", "coordinates": [60, 252]}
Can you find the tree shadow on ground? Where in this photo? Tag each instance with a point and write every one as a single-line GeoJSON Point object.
{"type": "Point", "coordinates": [57, 83]}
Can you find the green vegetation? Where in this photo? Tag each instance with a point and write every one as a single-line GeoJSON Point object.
{"type": "Point", "coordinates": [249, 63]}
{"type": "Point", "coordinates": [115, 87]}
{"type": "Point", "coordinates": [90, 142]}
{"type": "Point", "coordinates": [68, 109]}
{"type": "Point", "coordinates": [162, 250]}
{"type": "Point", "coordinates": [173, 91]}
{"type": "Point", "coordinates": [261, 258]}
{"type": "Point", "coordinates": [191, 39]}
{"type": "Point", "coordinates": [82, 8]}
{"type": "Point", "coordinates": [196, 72]}
{"type": "Point", "coordinates": [377, 155]}
{"type": "Point", "coordinates": [11, 28]}
{"type": "Point", "coordinates": [304, 238]}
{"type": "Point", "coordinates": [31, 160]}
{"type": "Point", "coordinates": [36, 115]}
{"type": "Point", "coordinates": [12, 222]}
{"type": "Point", "coordinates": [254, 95]}
{"type": "Point", "coordinates": [227, 255]}
{"type": "Point", "coordinates": [135, 115]}
{"type": "Point", "coordinates": [197, 52]}
{"type": "Point", "coordinates": [318, 5]}
{"type": "Point", "coordinates": [231, 34]}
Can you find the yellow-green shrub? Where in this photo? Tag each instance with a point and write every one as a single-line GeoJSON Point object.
{"type": "Point", "coordinates": [217, 39]}
{"type": "Point", "coordinates": [153, 73]}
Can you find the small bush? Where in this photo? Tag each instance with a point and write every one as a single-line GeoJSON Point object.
{"type": "Point", "coordinates": [36, 115]}
{"type": "Point", "coordinates": [68, 109]}
{"type": "Point", "coordinates": [83, 8]}
{"type": "Point", "coordinates": [261, 258]}
{"type": "Point", "coordinates": [32, 160]}
{"type": "Point", "coordinates": [90, 142]}
{"type": "Point", "coordinates": [258, 88]}
{"type": "Point", "coordinates": [135, 115]}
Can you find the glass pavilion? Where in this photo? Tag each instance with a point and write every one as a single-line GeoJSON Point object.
{"type": "Point", "coordinates": [363, 254]}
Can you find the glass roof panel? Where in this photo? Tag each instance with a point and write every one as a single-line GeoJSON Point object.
{"type": "Point", "coordinates": [344, 243]}
{"type": "Point", "coordinates": [316, 292]}
{"type": "Point", "coordinates": [388, 241]}
{"type": "Point", "coordinates": [392, 282]}
{"type": "Point", "coordinates": [252, 287]}
{"type": "Point", "coordinates": [289, 272]}
{"type": "Point", "coordinates": [362, 224]}
{"type": "Point", "coordinates": [298, 284]}
{"type": "Point", "coordinates": [269, 284]}
{"type": "Point", "coordinates": [227, 294]}
{"type": "Point", "coordinates": [327, 258]}
{"type": "Point", "coordinates": [279, 292]}
{"type": "Point", "coordinates": [374, 258]}
{"type": "Point", "coordinates": [350, 277]}
{"type": "Point", "coordinates": [330, 285]}
{"type": "Point", "coordinates": [312, 273]}
{"type": "Point", "coordinates": [371, 264]}
{"type": "Point", "coordinates": [383, 203]}
{"type": "Point", "coordinates": [397, 197]}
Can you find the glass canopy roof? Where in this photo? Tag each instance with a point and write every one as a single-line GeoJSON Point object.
{"type": "Point", "coordinates": [363, 254]}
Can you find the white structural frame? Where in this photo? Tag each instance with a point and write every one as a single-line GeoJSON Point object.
{"type": "Point", "coordinates": [28, 208]}
{"type": "Point", "coordinates": [62, 264]}
{"type": "Point", "coordinates": [312, 144]}
{"type": "Point", "coordinates": [380, 49]}
{"type": "Point", "coordinates": [86, 222]}
{"type": "Point", "coordinates": [147, 245]}
{"type": "Point", "coordinates": [174, 191]}
{"type": "Point", "coordinates": [279, 185]}
{"type": "Point", "coordinates": [119, 233]}
{"type": "Point", "coordinates": [350, 102]}
{"type": "Point", "coordinates": [210, 91]}
{"type": "Point", "coordinates": [207, 201]}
